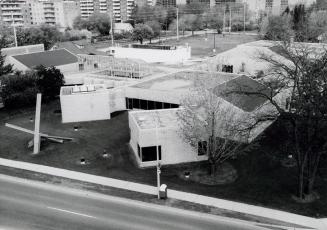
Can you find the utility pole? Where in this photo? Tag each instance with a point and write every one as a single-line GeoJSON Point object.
{"type": "Point", "coordinates": [14, 27]}
{"type": "Point", "coordinates": [158, 163]}
{"type": "Point", "coordinates": [230, 19]}
{"type": "Point", "coordinates": [244, 5]}
{"type": "Point", "coordinates": [37, 139]}
{"type": "Point", "coordinates": [224, 21]}
{"type": "Point", "coordinates": [111, 28]}
{"type": "Point", "coordinates": [177, 23]}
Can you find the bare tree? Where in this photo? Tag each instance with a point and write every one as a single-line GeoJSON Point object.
{"type": "Point", "coordinates": [302, 76]}
{"type": "Point", "coordinates": [207, 123]}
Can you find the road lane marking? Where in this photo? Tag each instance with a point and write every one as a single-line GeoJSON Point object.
{"type": "Point", "coordinates": [75, 213]}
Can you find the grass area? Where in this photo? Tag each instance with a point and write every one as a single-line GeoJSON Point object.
{"type": "Point", "coordinates": [261, 178]}
{"type": "Point", "coordinates": [202, 45]}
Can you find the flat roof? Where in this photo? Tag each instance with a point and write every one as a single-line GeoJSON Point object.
{"type": "Point", "coordinates": [230, 91]}
{"type": "Point", "coordinates": [149, 119]}
{"type": "Point", "coordinates": [82, 89]}
{"type": "Point", "coordinates": [47, 58]}
{"type": "Point", "coordinates": [185, 80]}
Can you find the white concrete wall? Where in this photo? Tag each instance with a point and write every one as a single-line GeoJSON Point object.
{"type": "Point", "coordinates": [17, 65]}
{"type": "Point", "coordinates": [174, 150]}
{"type": "Point", "coordinates": [85, 107]}
{"type": "Point", "coordinates": [153, 55]}
{"type": "Point", "coordinates": [117, 99]}
{"type": "Point", "coordinates": [73, 67]}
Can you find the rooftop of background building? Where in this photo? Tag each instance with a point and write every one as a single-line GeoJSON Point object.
{"type": "Point", "coordinates": [47, 58]}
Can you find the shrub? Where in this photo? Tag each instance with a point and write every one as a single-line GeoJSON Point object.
{"type": "Point", "coordinates": [20, 90]}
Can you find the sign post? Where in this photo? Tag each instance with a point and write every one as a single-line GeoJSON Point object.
{"type": "Point", "coordinates": [37, 124]}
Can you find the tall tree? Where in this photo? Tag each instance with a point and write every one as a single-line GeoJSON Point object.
{"type": "Point", "coordinates": [45, 34]}
{"type": "Point", "coordinates": [317, 25]}
{"type": "Point", "coordinates": [49, 81]}
{"type": "Point", "coordinates": [303, 79]}
{"type": "Point", "coordinates": [99, 23]}
{"type": "Point", "coordinates": [156, 28]}
{"type": "Point", "coordinates": [277, 28]}
{"type": "Point", "coordinates": [209, 125]}
{"type": "Point", "coordinates": [141, 32]}
{"type": "Point", "coordinates": [4, 68]}
{"type": "Point", "coordinates": [300, 22]}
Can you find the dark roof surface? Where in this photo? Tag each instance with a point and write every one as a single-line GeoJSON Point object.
{"type": "Point", "coordinates": [47, 58]}
{"type": "Point", "coordinates": [230, 91]}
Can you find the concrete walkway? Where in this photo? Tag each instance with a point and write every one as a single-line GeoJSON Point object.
{"type": "Point", "coordinates": [320, 224]}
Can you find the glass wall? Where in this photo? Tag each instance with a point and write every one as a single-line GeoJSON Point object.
{"type": "Point", "coordinates": [134, 103]}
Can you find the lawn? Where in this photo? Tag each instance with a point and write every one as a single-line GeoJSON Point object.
{"type": "Point", "coordinates": [262, 180]}
{"type": "Point", "coordinates": [202, 45]}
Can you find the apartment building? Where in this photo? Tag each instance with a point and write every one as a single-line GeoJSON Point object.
{"type": "Point", "coordinates": [120, 9]}
{"type": "Point", "coordinates": [36, 12]}
{"type": "Point", "coordinates": [89, 7]}
{"type": "Point", "coordinates": [276, 7]}
{"type": "Point", "coordinates": [146, 2]}
{"type": "Point", "coordinates": [15, 12]}
{"type": "Point", "coordinates": [54, 12]}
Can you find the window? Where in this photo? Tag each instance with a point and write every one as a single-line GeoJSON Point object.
{"type": "Point", "coordinates": [81, 67]}
{"type": "Point", "coordinates": [202, 148]}
{"type": "Point", "coordinates": [166, 105]}
{"type": "Point", "coordinates": [227, 69]}
{"type": "Point", "coordinates": [158, 105]}
{"type": "Point", "coordinates": [136, 103]}
{"type": "Point", "coordinates": [150, 153]}
{"type": "Point", "coordinates": [139, 150]}
{"type": "Point", "coordinates": [95, 65]}
{"type": "Point", "coordinates": [143, 104]}
{"type": "Point", "coordinates": [151, 105]}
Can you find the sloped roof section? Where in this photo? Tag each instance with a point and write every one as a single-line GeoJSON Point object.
{"type": "Point", "coordinates": [47, 58]}
{"type": "Point", "coordinates": [250, 100]}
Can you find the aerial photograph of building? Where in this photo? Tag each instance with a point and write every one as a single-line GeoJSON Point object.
{"type": "Point", "coordinates": [163, 114]}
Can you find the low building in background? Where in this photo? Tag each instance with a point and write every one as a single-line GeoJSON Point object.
{"type": "Point", "coordinates": [243, 59]}
{"type": "Point", "coordinates": [20, 50]}
{"type": "Point", "coordinates": [61, 59]}
{"type": "Point", "coordinates": [122, 27]}
{"type": "Point", "coordinates": [153, 53]}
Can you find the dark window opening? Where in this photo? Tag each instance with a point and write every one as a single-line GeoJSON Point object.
{"type": "Point", "coordinates": [139, 150]}
{"type": "Point", "coordinates": [159, 105]}
{"type": "Point", "coordinates": [166, 105]}
{"type": "Point", "coordinates": [227, 69]}
{"type": "Point", "coordinates": [81, 67]}
{"type": "Point", "coordinates": [202, 148]}
{"type": "Point", "coordinates": [151, 105]}
{"type": "Point", "coordinates": [143, 104]}
{"type": "Point", "coordinates": [134, 103]}
{"type": "Point", "coordinates": [96, 65]}
{"type": "Point", "coordinates": [150, 153]}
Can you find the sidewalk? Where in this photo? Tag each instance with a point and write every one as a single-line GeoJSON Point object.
{"type": "Point", "coordinates": [320, 224]}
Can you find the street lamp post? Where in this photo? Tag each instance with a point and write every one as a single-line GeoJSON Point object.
{"type": "Point", "coordinates": [214, 42]}
{"type": "Point", "coordinates": [158, 162]}
{"type": "Point", "coordinates": [14, 27]}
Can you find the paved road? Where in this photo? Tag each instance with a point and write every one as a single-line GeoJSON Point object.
{"type": "Point", "coordinates": [31, 205]}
